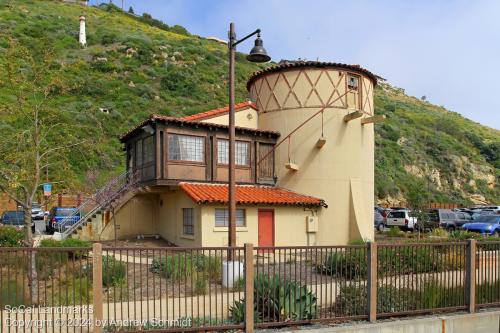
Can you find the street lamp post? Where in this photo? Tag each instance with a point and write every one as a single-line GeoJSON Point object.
{"type": "Point", "coordinates": [257, 54]}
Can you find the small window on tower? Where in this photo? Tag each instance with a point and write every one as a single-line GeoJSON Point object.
{"type": "Point", "coordinates": [352, 82]}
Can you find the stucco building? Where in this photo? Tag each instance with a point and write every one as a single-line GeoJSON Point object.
{"type": "Point", "coordinates": [304, 164]}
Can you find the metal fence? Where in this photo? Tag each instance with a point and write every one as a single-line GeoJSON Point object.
{"type": "Point", "coordinates": [488, 274]}
{"type": "Point", "coordinates": [45, 289]}
{"type": "Point", "coordinates": [108, 289]}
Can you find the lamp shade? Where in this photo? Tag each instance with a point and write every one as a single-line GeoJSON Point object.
{"type": "Point", "coordinates": [258, 52]}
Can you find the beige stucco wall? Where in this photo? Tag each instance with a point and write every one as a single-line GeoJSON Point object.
{"type": "Point", "coordinates": [289, 224]}
{"type": "Point", "coordinates": [342, 171]}
{"type": "Point", "coordinates": [170, 218]}
{"type": "Point", "coordinates": [161, 214]}
{"type": "Point", "coordinates": [136, 217]}
{"type": "Point", "coordinates": [246, 117]}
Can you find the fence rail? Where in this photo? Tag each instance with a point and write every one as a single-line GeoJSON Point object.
{"type": "Point", "coordinates": [173, 289]}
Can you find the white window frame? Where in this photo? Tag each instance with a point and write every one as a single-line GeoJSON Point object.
{"type": "Point", "coordinates": [241, 156]}
{"type": "Point", "coordinates": [185, 148]}
{"type": "Point", "coordinates": [223, 213]}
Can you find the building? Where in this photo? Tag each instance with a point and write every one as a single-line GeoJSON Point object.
{"type": "Point", "coordinates": [304, 164]}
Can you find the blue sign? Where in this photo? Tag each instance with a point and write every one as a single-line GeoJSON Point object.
{"type": "Point", "coordinates": [47, 189]}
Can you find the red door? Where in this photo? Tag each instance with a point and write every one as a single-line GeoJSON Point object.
{"type": "Point", "coordinates": [266, 227]}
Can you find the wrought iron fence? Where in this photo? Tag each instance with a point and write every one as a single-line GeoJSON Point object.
{"type": "Point", "coordinates": [45, 289]}
{"type": "Point", "coordinates": [173, 289]}
{"type": "Point", "coordinates": [418, 278]}
{"type": "Point", "coordinates": [488, 274]}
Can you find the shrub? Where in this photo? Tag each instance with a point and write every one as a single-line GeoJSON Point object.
{"type": "Point", "coordinates": [439, 232]}
{"type": "Point", "coordinates": [394, 232]}
{"type": "Point", "coordinates": [239, 284]}
{"type": "Point", "coordinates": [430, 295]}
{"type": "Point", "coordinates": [68, 242]}
{"type": "Point", "coordinates": [200, 285]}
{"type": "Point", "coordinates": [10, 236]}
{"type": "Point", "coordinates": [277, 298]}
{"type": "Point", "coordinates": [350, 264]}
{"type": "Point", "coordinates": [178, 266]}
{"type": "Point", "coordinates": [172, 267]}
{"type": "Point", "coordinates": [211, 266]}
{"type": "Point", "coordinates": [408, 259]}
{"type": "Point", "coordinates": [113, 271]}
{"type": "Point", "coordinates": [11, 293]}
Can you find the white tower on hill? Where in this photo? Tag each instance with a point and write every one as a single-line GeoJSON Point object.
{"type": "Point", "coordinates": [83, 37]}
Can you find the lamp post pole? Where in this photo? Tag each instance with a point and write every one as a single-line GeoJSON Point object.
{"type": "Point", "coordinates": [257, 54]}
{"type": "Point", "coordinates": [232, 141]}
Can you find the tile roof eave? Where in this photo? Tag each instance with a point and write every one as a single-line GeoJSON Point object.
{"type": "Point", "coordinates": [299, 200]}
{"type": "Point", "coordinates": [310, 64]}
{"type": "Point", "coordinates": [155, 117]}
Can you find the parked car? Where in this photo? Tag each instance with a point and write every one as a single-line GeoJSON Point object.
{"type": "Point", "coordinates": [37, 212]}
{"type": "Point", "coordinates": [61, 218]}
{"type": "Point", "coordinates": [15, 218]}
{"type": "Point", "coordinates": [448, 219]}
{"type": "Point", "coordinates": [478, 213]}
{"type": "Point", "coordinates": [486, 225]}
{"type": "Point", "coordinates": [379, 220]}
{"type": "Point", "coordinates": [402, 219]}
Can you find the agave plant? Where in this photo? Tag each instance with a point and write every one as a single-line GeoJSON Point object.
{"type": "Point", "coordinates": [278, 299]}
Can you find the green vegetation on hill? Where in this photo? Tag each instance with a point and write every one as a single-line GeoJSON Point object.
{"type": "Point", "coordinates": [134, 66]}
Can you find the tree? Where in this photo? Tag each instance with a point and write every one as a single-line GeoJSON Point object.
{"type": "Point", "coordinates": [131, 10]}
{"type": "Point", "coordinates": [418, 198]}
{"type": "Point", "coordinates": [36, 134]}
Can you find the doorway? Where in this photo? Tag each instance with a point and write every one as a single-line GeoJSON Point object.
{"type": "Point", "coordinates": [266, 227]}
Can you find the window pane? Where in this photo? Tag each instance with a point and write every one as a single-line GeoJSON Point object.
{"type": "Point", "coordinates": [186, 148]}
{"type": "Point", "coordinates": [241, 155]}
{"type": "Point", "coordinates": [139, 152]}
{"type": "Point", "coordinates": [223, 151]}
{"type": "Point", "coordinates": [188, 221]}
{"type": "Point", "coordinates": [222, 217]}
{"type": "Point", "coordinates": [148, 147]}
{"type": "Point", "coordinates": [266, 158]}
{"type": "Point", "coordinates": [242, 152]}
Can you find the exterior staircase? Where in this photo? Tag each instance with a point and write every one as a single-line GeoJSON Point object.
{"type": "Point", "coordinates": [89, 216]}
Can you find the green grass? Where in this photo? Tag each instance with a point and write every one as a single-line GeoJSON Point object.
{"type": "Point", "coordinates": [175, 73]}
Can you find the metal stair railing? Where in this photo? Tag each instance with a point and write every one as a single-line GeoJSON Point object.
{"type": "Point", "coordinates": [99, 200]}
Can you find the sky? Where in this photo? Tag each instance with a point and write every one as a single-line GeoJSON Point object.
{"type": "Point", "coordinates": [448, 51]}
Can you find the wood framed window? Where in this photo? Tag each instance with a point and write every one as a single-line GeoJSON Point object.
{"type": "Point", "coordinates": [266, 159]}
{"type": "Point", "coordinates": [222, 217]}
{"type": "Point", "coordinates": [188, 148]}
{"type": "Point", "coordinates": [138, 153]}
{"type": "Point", "coordinates": [241, 156]}
{"type": "Point", "coordinates": [148, 149]}
{"type": "Point", "coordinates": [188, 221]}
{"type": "Point", "coordinates": [353, 82]}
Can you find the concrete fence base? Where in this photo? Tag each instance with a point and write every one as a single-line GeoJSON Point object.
{"type": "Point", "coordinates": [480, 322]}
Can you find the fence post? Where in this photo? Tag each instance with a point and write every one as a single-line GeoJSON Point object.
{"type": "Point", "coordinates": [97, 287]}
{"type": "Point", "coordinates": [249, 309]}
{"type": "Point", "coordinates": [470, 272]}
{"type": "Point", "coordinates": [372, 281]}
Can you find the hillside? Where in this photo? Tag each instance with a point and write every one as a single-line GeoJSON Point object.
{"type": "Point", "coordinates": [136, 66]}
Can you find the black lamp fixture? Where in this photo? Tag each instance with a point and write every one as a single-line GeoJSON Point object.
{"type": "Point", "coordinates": [257, 54]}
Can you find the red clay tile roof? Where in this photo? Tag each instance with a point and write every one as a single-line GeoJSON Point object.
{"type": "Point", "coordinates": [203, 193]}
{"type": "Point", "coordinates": [318, 64]}
{"type": "Point", "coordinates": [220, 111]}
{"type": "Point", "coordinates": [180, 121]}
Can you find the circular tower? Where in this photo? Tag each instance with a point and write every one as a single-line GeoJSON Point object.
{"type": "Point", "coordinates": [324, 112]}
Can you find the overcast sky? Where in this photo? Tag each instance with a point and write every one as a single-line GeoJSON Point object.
{"type": "Point", "coordinates": [448, 51]}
